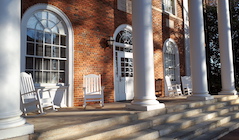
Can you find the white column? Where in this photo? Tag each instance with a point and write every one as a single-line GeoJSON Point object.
{"type": "Point", "coordinates": [197, 52]}
{"type": "Point", "coordinates": [186, 38]}
{"type": "Point", "coordinates": [11, 123]}
{"type": "Point", "coordinates": [144, 83]}
{"type": "Point", "coordinates": [225, 43]}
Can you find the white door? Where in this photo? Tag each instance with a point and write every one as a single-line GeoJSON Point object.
{"type": "Point", "coordinates": [124, 76]}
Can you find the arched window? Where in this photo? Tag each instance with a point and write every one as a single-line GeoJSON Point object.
{"type": "Point", "coordinates": [46, 48]}
{"type": "Point", "coordinates": [171, 60]}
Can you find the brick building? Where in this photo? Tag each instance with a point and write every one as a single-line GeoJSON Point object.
{"type": "Point", "coordinates": [91, 23]}
{"type": "Point", "coordinates": [59, 41]}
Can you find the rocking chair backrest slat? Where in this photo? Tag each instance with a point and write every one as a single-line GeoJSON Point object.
{"type": "Point", "coordinates": [27, 85]}
{"type": "Point", "coordinates": [92, 83]}
{"type": "Point", "coordinates": [93, 91]}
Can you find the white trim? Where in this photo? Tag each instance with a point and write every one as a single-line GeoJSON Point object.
{"type": "Point", "coordinates": [39, 7]}
{"type": "Point", "coordinates": [117, 30]}
{"type": "Point", "coordinates": [177, 71]}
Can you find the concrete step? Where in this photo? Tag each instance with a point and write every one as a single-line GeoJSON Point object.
{"type": "Point", "coordinates": [219, 132]}
{"type": "Point", "coordinates": [143, 124]}
{"type": "Point", "coordinates": [204, 127]}
{"type": "Point", "coordinates": [175, 122]}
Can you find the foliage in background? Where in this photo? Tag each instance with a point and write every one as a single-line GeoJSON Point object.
{"type": "Point", "coordinates": [212, 45]}
{"type": "Point", "coordinates": [212, 49]}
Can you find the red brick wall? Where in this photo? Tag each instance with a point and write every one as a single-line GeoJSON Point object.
{"type": "Point", "coordinates": [93, 21]}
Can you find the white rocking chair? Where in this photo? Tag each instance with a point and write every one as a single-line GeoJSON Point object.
{"type": "Point", "coordinates": [93, 91]}
{"type": "Point", "coordinates": [187, 85]}
{"type": "Point", "coordinates": [173, 90]}
{"type": "Point", "coordinates": [31, 98]}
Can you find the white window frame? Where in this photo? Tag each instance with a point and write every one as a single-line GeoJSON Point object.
{"type": "Point", "coordinates": [70, 54]}
{"type": "Point", "coordinates": [176, 57]}
{"type": "Point", "coordinates": [169, 7]}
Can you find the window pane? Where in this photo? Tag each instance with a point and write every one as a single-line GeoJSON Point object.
{"type": "Point", "coordinates": [47, 64]}
{"type": "Point", "coordinates": [54, 64]}
{"type": "Point", "coordinates": [46, 77]}
{"type": "Point", "coordinates": [38, 64]}
{"type": "Point", "coordinates": [63, 52]}
{"type": "Point", "coordinates": [63, 40]}
{"type": "Point", "coordinates": [62, 65]}
{"type": "Point", "coordinates": [30, 35]}
{"type": "Point", "coordinates": [55, 51]}
{"type": "Point", "coordinates": [39, 27]}
{"type": "Point", "coordinates": [56, 39]}
{"type": "Point", "coordinates": [39, 37]}
{"type": "Point", "coordinates": [29, 63]}
{"type": "Point", "coordinates": [30, 49]}
{"type": "Point", "coordinates": [38, 77]}
{"type": "Point", "coordinates": [44, 23]}
{"type": "Point", "coordinates": [51, 24]}
{"type": "Point", "coordinates": [32, 22]}
{"type": "Point", "coordinates": [62, 77]}
{"type": "Point", "coordinates": [54, 77]}
{"type": "Point", "coordinates": [53, 18]}
{"type": "Point", "coordinates": [48, 51]}
{"type": "Point", "coordinates": [61, 28]}
{"type": "Point", "coordinates": [47, 37]}
{"type": "Point", "coordinates": [39, 50]}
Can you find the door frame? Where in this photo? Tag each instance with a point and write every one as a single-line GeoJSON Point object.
{"type": "Point", "coordinates": [118, 29]}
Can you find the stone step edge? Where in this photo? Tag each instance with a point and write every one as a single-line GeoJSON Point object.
{"type": "Point", "coordinates": [107, 133]}
{"type": "Point", "coordinates": [125, 118]}
{"type": "Point", "coordinates": [200, 129]}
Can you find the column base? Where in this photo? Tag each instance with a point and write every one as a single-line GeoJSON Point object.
{"type": "Point", "coordinates": [145, 105]}
{"type": "Point", "coordinates": [200, 97]}
{"type": "Point", "coordinates": [234, 92]}
{"type": "Point", "coordinates": [16, 131]}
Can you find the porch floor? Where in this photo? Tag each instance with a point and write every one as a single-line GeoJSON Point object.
{"type": "Point", "coordinates": [78, 115]}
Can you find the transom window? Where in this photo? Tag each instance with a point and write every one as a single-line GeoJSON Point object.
{"type": "Point", "coordinates": [169, 6]}
{"type": "Point", "coordinates": [170, 60]}
{"type": "Point", "coordinates": [124, 37]}
{"type": "Point", "coordinates": [46, 48]}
